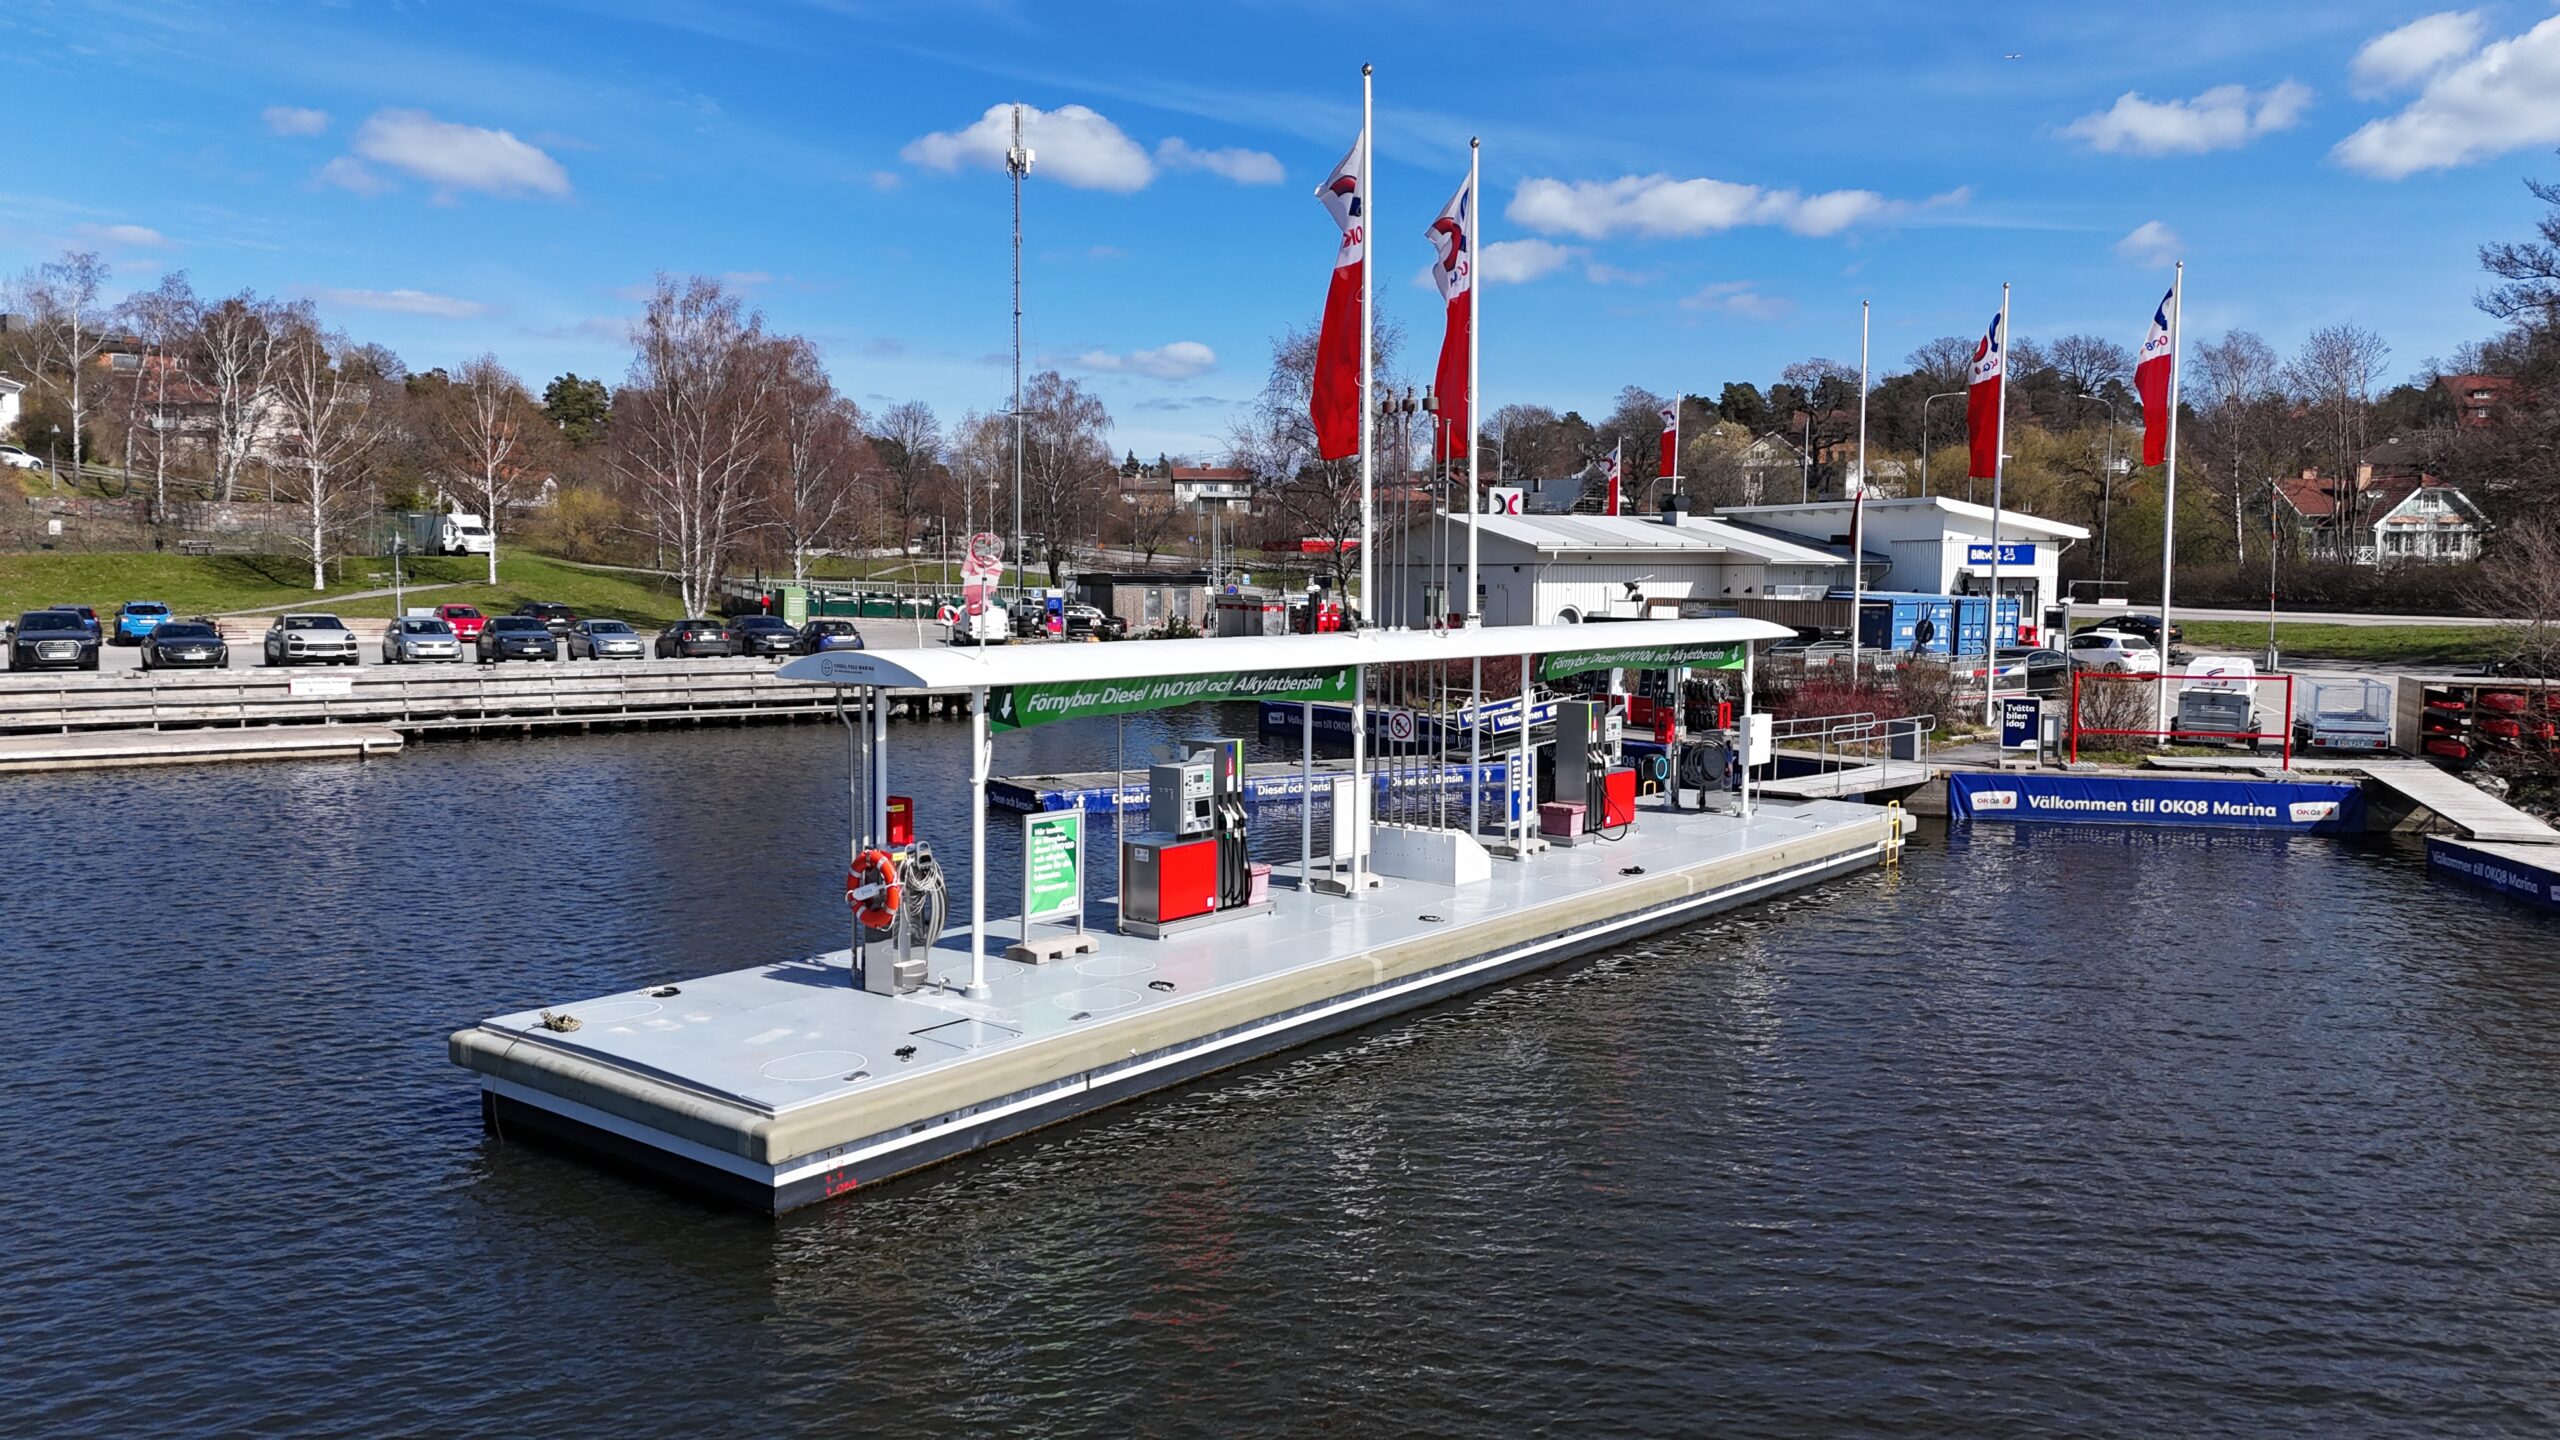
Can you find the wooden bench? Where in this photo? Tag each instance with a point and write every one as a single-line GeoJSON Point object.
{"type": "Point", "coordinates": [195, 547]}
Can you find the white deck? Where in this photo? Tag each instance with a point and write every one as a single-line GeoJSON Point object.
{"type": "Point", "coordinates": [780, 1037]}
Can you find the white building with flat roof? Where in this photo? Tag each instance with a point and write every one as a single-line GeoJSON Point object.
{"type": "Point", "coordinates": [12, 395]}
{"type": "Point", "coordinates": [1932, 545]}
{"type": "Point", "coordinates": [1545, 569]}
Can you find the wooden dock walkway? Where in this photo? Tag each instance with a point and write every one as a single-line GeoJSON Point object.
{"type": "Point", "coordinates": [96, 750]}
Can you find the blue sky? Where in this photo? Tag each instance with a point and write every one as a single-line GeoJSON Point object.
{"type": "Point", "coordinates": [1676, 195]}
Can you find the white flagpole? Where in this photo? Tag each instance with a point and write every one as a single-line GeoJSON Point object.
{"type": "Point", "coordinates": [2169, 503]}
{"type": "Point", "coordinates": [1475, 495]}
{"type": "Point", "coordinates": [1999, 473]}
{"type": "Point", "coordinates": [1358, 828]}
{"type": "Point", "coordinates": [1857, 507]}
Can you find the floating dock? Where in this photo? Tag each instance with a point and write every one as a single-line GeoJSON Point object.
{"type": "Point", "coordinates": [2529, 874]}
{"type": "Point", "coordinates": [97, 750]}
{"type": "Point", "coordinates": [781, 1085]}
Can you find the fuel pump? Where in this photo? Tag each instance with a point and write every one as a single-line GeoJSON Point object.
{"type": "Point", "coordinates": [1226, 816]}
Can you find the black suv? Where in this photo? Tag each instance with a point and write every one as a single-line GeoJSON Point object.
{"type": "Point", "coordinates": [55, 639]}
{"type": "Point", "coordinates": [555, 617]}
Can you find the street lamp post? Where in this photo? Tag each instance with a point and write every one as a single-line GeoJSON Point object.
{"type": "Point", "coordinates": [1924, 444]}
{"type": "Point", "coordinates": [2107, 494]}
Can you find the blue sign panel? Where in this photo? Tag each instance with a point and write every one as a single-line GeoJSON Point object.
{"type": "Point", "coordinates": [2515, 878]}
{"type": "Point", "coordinates": [2018, 716]}
{"type": "Point", "coordinates": [2324, 807]}
{"type": "Point", "coordinates": [2010, 554]}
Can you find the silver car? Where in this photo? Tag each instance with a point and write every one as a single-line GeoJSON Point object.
{"type": "Point", "coordinates": [414, 638]}
{"type": "Point", "coordinates": [311, 639]}
{"type": "Point", "coordinates": [605, 640]}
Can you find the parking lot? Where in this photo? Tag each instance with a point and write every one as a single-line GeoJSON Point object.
{"type": "Point", "coordinates": [245, 634]}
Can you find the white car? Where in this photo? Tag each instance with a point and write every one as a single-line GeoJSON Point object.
{"type": "Point", "coordinates": [17, 459]}
{"type": "Point", "coordinates": [2113, 650]}
{"type": "Point", "coordinates": [310, 640]}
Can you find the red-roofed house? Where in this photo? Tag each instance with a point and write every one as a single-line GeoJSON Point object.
{"type": "Point", "coordinates": [2385, 520]}
{"type": "Point", "coordinates": [2476, 398]}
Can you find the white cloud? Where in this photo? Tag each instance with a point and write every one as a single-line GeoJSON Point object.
{"type": "Point", "coordinates": [1603, 274]}
{"type": "Point", "coordinates": [1661, 205]}
{"type": "Point", "coordinates": [294, 120]}
{"type": "Point", "coordinates": [887, 180]}
{"type": "Point", "coordinates": [1735, 297]}
{"type": "Point", "coordinates": [448, 156]}
{"type": "Point", "coordinates": [1245, 167]}
{"type": "Point", "coordinates": [1517, 262]}
{"type": "Point", "coordinates": [2225, 117]}
{"type": "Point", "coordinates": [1071, 144]}
{"type": "Point", "coordinates": [1180, 360]}
{"type": "Point", "coordinates": [2505, 97]}
{"type": "Point", "coordinates": [2150, 243]}
{"type": "Point", "coordinates": [122, 237]}
{"type": "Point", "coordinates": [2397, 59]}
{"type": "Point", "coordinates": [401, 302]}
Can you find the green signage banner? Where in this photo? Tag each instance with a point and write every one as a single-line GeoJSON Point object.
{"type": "Point", "coordinates": [1566, 663]}
{"type": "Point", "coordinates": [1019, 707]}
{"type": "Point", "coordinates": [1052, 865]}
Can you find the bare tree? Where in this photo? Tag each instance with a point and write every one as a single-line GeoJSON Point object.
{"type": "Point", "coordinates": [2520, 582]}
{"type": "Point", "coordinates": [489, 420]}
{"type": "Point", "coordinates": [162, 318]}
{"type": "Point", "coordinates": [1067, 469]}
{"type": "Point", "coordinates": [70, 329]}
{"type": "Point", "coordinates": [692, 424]}
{"type": "Point", "coordinates": [2236, 376]}
{"type": "Point", "coordinates": [2089, 363]}
{"type": "Point", "coordinates": [326, 393]}
{"type": "Point", "coordinates": [234, 354]}
{"type": "Point", "coordinates": [824, 458]}
{"type": "Point", "coordinates": [911, 449]}
{"type": "Point", "coordinates": [2333, 376]}
{"type": "Point", "coordinates": [2531, 268]}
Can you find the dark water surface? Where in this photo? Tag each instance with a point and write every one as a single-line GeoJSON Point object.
{"type": "Point", "coordinates": [2053, 1131]}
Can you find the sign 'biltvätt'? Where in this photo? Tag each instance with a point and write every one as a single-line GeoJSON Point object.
{"type": "Point", "coordinates": [1019, 707]}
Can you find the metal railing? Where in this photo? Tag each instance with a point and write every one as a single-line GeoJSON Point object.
{"type": "Point", "coordinates": [1840, 742]}
{"type": "Point", "coordinates": [406, 697]}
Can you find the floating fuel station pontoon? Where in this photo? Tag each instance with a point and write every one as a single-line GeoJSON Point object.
{"type": "Point", "coordinates": [792, 1082]}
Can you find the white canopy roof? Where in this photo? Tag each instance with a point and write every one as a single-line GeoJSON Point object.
{"type": "Point", "coordinates": [966, 667]}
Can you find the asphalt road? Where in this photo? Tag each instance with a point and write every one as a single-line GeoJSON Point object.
{"type": "Point", "coordinates": [2081, 615]}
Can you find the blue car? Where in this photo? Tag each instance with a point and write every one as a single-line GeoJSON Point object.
{"type": "Point", "coordinates": [136, 619]}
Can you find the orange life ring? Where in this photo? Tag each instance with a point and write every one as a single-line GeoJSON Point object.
{"type": "Point", "coordinates": [874, 871]}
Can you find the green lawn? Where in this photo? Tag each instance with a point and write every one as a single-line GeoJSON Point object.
{"type": "Point", "coordinates": [217, 583]}
{"type": "Point", "coordinates": [2416, 646]}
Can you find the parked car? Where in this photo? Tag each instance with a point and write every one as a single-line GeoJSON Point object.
{"type": "Point", "coordinates": [185, 645]}
{"type": "Point", "coordinates": [687, 638]}
{"type": "Point", "coordinates": [517, 637]}
{"type": "Point", "coordinates": [17, 459]}
{"type": "Point", "coordinates": [2113, 650]}
{"type": "Point", "coordinates": [555, 616]}
{"type": "Point", "coordinates": [52, 640]}
{"type": "Point", "coordinates": [88, 618]}
{"type": "Point", "coordinates": [2047, 672]}
{"type": "Point", "coordinates": [2144, 627]}
{"type": "Point", "coordinates": [764, 635]}
{"type": "Point", "coordinates": [465, 620]}
{"type": "Point", "coordinates": [414, 638]}
{"type": "Point", "coordinates": [1085, 619]}
{"type": "Point", "coordinates": [820, 635]}
{"type": "Point", "coordinates": [311, 639]}
{"type": "Point", "coordinates": [136, 619]}
{"type": "Point", "coordinates": [605, 639]}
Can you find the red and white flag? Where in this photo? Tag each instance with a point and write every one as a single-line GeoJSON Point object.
{"type": "Point", "coordinates": [1453, 269]}
{"type": "Point", "coordinates": [2151, 380]}
{"type": "Point", "coordinates": [1982, 401]}
{"type": "Point", "coordinates": [1671, 439]}
{"type": "Point", "coordinates": [1615, 494]}
{"type": "Point", "coordinates": [1334, 401]}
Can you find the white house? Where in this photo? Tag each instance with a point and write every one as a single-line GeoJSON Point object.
{"type": "Point", "coordinates": [1545, 569]}
{"type": "Point", "coordinates": [1933, 545]}
{"type": "Point", "coordinates": [11, 392]}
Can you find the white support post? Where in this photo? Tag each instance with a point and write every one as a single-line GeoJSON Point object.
{"type": "Point", "coordinates": [1475, 493]}
{"type": "Point", "coordinates": [979, 746]}
{"type": "Point", "coordinates": [1999, 474]}
{"type": "Point", "coordinates": [2169, 502]}
{"type": "Point", "coordinates": [1306, 796]}
{"type": "Point", "coordinates": [1742, 752]}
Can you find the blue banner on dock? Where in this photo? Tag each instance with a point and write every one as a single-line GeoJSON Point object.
{"type": "Point", "coordinates": [2536, 884]}
{"type": "Point", "coordinates": [2308, 807]}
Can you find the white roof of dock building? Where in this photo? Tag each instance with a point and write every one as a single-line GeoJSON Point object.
{"type": "Point", "coordinates": [1700, 536]}
{"type": "Point", "coordinates": [967, 667]}
{"type": "Point", "coordinates": [2011, 521]}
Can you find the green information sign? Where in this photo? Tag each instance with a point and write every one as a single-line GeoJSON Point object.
{"type": "Point", "coordinates": [1642, 657]}
{"type": "Point", "coordinates": [1019, 707]}
{"type": "Point", "coordinates": [1053, 866]}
